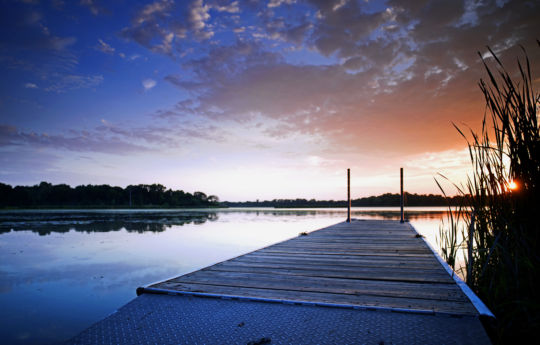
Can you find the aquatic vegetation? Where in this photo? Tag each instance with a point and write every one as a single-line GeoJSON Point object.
{"type": "Point", "coordinates": [502, 192]}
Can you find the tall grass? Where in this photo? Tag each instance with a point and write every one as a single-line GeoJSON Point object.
{"type": "Point", "coordinates": [505, 257]}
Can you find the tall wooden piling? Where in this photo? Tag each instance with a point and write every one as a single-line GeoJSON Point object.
{"type": "Point", "coordinates": [401, 193]}
{"type": "Point", "coordinates": [348, 195]}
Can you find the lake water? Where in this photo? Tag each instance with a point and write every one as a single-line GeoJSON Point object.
{"type": "Point", "coordinates": [61, 271]}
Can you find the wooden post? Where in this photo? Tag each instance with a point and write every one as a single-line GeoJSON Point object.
{"type": "Point", "coordinates": [401, 193]}
{"type": "Point", "coordinates": [470, 244]}
{"type": "Point", "coordinates": [348, 195]}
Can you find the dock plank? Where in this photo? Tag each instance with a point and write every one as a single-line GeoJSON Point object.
{"type": "Point", "coordinates": [332, 272]}
{"type": "Point", "coordinates": [462, 308]}
{"type": "Point", "coordinates": [322, 284]}
{"type": "Point", "coordinates": [361, 259]}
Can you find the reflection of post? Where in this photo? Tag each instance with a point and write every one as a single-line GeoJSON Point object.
{"type": "Point", "coordinates": [348, 195]}
{"type": "Point", "coordinates": [401, 193]}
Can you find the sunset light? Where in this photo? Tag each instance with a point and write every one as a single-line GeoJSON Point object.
{"type": "Point", "coordinates": [247, 100]}
{"type": "Point", "coordinates": [512, 185]}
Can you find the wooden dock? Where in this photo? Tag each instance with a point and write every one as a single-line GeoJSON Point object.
{"type": "Point", "coordinates": [332, 286]}
{"type": "Point", "coordinates": [362, 264]}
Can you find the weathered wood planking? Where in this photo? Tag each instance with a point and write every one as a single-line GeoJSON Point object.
{"type": "Point", "coordinates": [371, 263]}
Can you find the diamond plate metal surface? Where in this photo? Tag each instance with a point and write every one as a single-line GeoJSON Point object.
{"type": "Point", "coordinates": [162, 319]}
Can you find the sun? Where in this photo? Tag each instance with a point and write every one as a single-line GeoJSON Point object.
{"type": "Point", "coordinates": [512, 185]}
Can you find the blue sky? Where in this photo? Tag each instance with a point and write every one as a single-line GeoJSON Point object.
{"type": "Point", "coordinates": [247, 99]}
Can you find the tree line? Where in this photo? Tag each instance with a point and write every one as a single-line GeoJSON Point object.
{"type": "Point", "coordinates": [156, 195]}
{"type": "Point", "coordinates": [387, 199]}
{"type": "Point", "coordinates": [62, 195]}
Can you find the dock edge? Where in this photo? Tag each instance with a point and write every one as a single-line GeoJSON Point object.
{"type": "Point", "coordinates": [482, 309]}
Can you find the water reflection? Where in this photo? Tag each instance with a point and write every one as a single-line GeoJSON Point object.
{"type": "Point", "coordinates": [47, 222]}
{"type": "Point", "coordinates": [394, 215]}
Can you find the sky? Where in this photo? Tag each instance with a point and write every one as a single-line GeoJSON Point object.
{"type": "Point", "coordinates": [249, 99]}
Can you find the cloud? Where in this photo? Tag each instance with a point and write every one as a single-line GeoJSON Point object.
{"type": "Point", "coordinates": [224, 62]}
{"type": "Point", "coordinates": [398, 70]}
{"type": "Point", "coordinates": [198, 16]}
{"type": "Point", "coordinates": [62, 83]}
{"type": "Point", "coordinates": [58, 4]}
{"type": "Point", "coordinates": [7, 133]}
{"type": "Point", "coordinates": [61, 43]}
{"type": "Point", "coordinates": [79, 141]}
{"type": "Point", "coordinates": [277, 3]}
{"type": "Point", "coordinates": [27, 30]}
{"type": "Point", "coordinates": [154, 10]}
{"type": "Point", "coordinates": [448, 160]}
{"type": "Point", "coordinates": [164, 26]}
{"type": "Point", "coordinates": [113, 138]}
{"type": "Point", "coordinates": [131, 57]}
{"type": "Point", "coordinates": [104, 47]}
{"type": "Point", "coordinates": [30, 86]}
{"type": "Point", "coordinates": [95, 8]}
{"type": "Point", "coordinates": [230, 8]}
{"type": "Point", "coordinates": [147, 27]}
{"type": "Point", "coordinates": [148, 84]}
{"type": "Point", "coordinates": [36, 50]}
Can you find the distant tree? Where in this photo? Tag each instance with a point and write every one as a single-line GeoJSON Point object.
{"type": "Point", "coordinates": [6, 191]}
{"type": "Point", "coordinates": [212, 199]}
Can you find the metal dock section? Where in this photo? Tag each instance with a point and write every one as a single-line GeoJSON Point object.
{"type": "Point", "coordinates": [367, 281]}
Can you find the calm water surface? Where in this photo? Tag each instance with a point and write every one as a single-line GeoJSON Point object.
{"type": "Point", "coordinates": [61, 271]}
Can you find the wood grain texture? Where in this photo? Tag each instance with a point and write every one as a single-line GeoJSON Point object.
{"type": "Point", "coordinates": [363, 263]}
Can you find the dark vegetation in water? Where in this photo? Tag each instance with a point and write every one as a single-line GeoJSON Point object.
{"type": "Point", "coordinates": [100, 196]}
{"type": "Point", "coordinates": [505, 269]}
{"type": "Point", "coordinates": [47, 222]}
{"type": "Point", "coordinates": [387, 199]}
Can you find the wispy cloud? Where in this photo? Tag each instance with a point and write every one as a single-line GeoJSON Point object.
{"type": "Point", "coordinates": [104, 47]}
{"type": "Point", "coordinates": [198, 16]}
{"type": "Point", "coordinates": [94, 6]}
{"type": "Point", "coordinates": [277, 3]}
{"type": "Point", "coordinates": [30, 86]}
{"type": "Point", "coordinates": [233, 7]}
{"type": "Point", "coordinates": [80, 141]}
{"type": "Point", "coordinates": [146, 27]}
{"type": "Point", "coordinates": [148, 84]}
{"type": "Point", "coordinates": [162, 26]}
{"type": "Point", "coordinates": [28, 37]}
{"type": "Point", "coordinates": [114, 138]}
{"type": "Point", "coordinates": [63, 83]}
